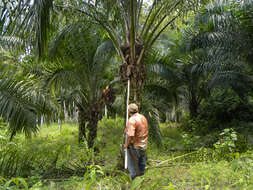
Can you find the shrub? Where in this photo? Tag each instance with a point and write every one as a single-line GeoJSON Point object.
{"type": "Point", "coordinates": [46, 157]}
{"type": "Point", "coordinates": [227, 140]}
{"type": "Point", "coordinates": [194, 125]}
{"type": "Point", "coordinates": [223, 109]}
{"type": "Point", "coordinates": [241, 144]}
{"type": "Point", "coordinates": [190, 141]}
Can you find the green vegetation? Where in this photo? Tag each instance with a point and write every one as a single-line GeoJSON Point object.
{"type": "Point", "coordinates": [54, 160]}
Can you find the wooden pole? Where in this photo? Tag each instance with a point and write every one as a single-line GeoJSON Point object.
{"type": "Point", "coordinates": [127, 102]}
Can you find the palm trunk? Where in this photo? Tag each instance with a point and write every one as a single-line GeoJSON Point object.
{"type": "Point", "coordinates": [193, 108]}
{"type": "Point", "coordinates": [60, 125]}
{"type": "Point", "coordinates": [65, 112]}
{"type": "Point", "coordinates": [82, 125]}
{"type": "Point", "coordinates": [137, 75]}
{"type": "Point", "coordinates": [94, 116]}
{"type": "Point", "coordinates": [92, 127]}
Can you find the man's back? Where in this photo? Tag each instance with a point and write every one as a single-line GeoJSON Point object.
{"type": "Point", "coordinates": [138, 128]}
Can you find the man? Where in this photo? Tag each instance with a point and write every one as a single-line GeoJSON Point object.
{"type": "Point", "coordinates": [137, 139]}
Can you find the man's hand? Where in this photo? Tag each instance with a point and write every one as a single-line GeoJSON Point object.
{"type": "Point", "coordinates": [129, 141]}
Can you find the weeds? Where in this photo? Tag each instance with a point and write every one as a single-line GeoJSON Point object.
{"type": "Point", "coordinates": [18, 183]}
{"type": "Point", "coordinates": [54, 160]}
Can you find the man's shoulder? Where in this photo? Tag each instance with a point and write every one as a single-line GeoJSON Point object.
{"type": "Point", "coordinates": [141, 115]}
{"type": "Point", "coordinates": [137, 116]}
{"type": "Point", "coordinates": [132, 118]}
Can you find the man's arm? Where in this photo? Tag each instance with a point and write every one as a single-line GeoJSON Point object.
{"type": "Point", "coordinates": [129, 140]}
{"type": "Point", "coordinates": [130, 131]}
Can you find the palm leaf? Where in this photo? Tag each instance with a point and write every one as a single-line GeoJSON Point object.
{"type": "Point", "coordinates": [18, 106]}
{"type": "Point", "coordinates": [29, 17]}
{"type": "Point", "coordinates": [152, 115]}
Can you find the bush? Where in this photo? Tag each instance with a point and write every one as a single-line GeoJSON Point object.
{"type": "Point", "coordinates": [241, 144]}
{"type": "Point", "coordinates": [46, 157]}
{"type": "Point", "coordinates": [194, 125]}
{"type": "Point", "coordinates": [198, 133]}
{"type": "Point", "coordinates": [224, 109]}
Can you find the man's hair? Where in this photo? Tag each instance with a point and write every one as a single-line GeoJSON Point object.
{"type": "Point", "coordinates": [133, 108]}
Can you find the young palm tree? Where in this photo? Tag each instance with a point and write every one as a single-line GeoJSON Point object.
{"type": "Point", "coordinates": [79, 64]}
{"type": "Point", "coordinates": [180, 85]}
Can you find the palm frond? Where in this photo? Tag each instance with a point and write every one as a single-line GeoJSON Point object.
{"type": "Point", "coordinates": [10, 51]}
{"type": "Point", "coordinates": [163, 71]}
{"type": "Point", "coordinates": [10, 42]}
{"type": "Point", "coordinates": [29, 17]}
{"type": "Point", "coordinates": [55, 44]}
{"type": "Point", "coordinates": [239, 82]}
{"type": "Point", "coordinates": [106, 48]}
{"type": "Point", "coordinates": [59, 75]}
{"type": "Point", "coordinates": [152, 115]}
{"type": "Point", "coordinates": [17, 106]}
{"type": "Point", "coordinates": [216, 15]}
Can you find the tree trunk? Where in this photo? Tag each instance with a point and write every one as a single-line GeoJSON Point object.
{"type": "Point", "coordinates": [82, 127]}
{"type": "Point", "coordinates": [193, 107]}
{"type": "Point", "coordinates": [94, 116]}
{"type": "Point", "coordinates": [60, 125]}
{"type": "Point", "coordinates": [42, 120]}
{"type": "Point", "coordinates": [92, 127]}
{"type": "Point", "coordinates": [133, 69]}
{"type": "Point", "coordinates": [65, 112]}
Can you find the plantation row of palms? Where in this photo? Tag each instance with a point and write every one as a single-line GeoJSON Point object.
{"type": "Point", "coordinates": [59, 56]}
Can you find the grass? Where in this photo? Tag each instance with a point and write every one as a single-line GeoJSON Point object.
{"type": "Point", "coordinates": [58, 162]}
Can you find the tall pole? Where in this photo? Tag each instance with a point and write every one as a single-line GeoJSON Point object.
{"type": "Point", "coordinates": [127, 102]}
{"type": "Point", "coordinates": [105, 111]}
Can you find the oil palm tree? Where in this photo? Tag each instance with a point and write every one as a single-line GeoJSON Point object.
{"type": "Point", "coordinates": [133, 30]}
{"type": "Point", "coordinates": [192, 70]}
{"type": "Point", "coordinates": [79, 64]}
{"type": "Point", "coordinates": [225, 25]}
{"type": "Point", "coordinates": [220, 29]}
{"type": "Point", "coordinates": [179, 85]}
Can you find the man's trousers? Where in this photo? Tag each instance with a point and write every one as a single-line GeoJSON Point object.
{"type": "Point", "coordinates": [136, 162]}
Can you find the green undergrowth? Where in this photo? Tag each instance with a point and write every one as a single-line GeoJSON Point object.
{"type": "Point", "coordinates": [53, 159]}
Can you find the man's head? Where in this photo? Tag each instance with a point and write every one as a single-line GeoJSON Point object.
{"type": "Point", "coordinates": [132, 108]}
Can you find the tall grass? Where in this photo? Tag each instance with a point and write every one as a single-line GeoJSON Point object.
{"type": "Point", "coordinates": [55, 160]}
{"type": "Point", "coordinates": [50, 154]}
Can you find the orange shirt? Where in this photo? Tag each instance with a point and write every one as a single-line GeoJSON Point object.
{"type": "Point", "coordinates": [137, 127]}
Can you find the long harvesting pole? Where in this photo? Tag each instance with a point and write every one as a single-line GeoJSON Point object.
{"type": "Point", "coordinates": [127, 102]}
